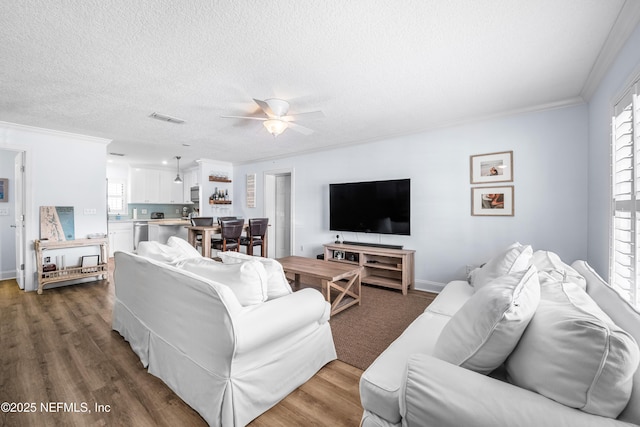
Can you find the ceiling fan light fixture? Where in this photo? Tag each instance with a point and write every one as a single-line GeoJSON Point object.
{"type": "Point", "coordinates": [275, 126]}
{"type": "Point", "coordinates": [178, 180]}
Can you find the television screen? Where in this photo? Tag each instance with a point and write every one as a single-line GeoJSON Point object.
{"type": "Point", "coordinates": [371, 207]}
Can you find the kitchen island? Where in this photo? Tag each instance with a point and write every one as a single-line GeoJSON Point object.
{"type": "Point", "coordinates": [160, 230]}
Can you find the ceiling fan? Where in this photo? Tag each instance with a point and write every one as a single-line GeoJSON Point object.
{"type": "Point", "coordinates": [277, 120]}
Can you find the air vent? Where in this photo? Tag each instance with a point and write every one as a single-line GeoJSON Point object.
{"type": "Point", "coordinates": [117, 154]}
{"type": "Point", "coordinates": [166, 118]}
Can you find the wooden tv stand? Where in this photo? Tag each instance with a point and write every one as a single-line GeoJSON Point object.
{"type": "Point", "coordinates": [391, 268]}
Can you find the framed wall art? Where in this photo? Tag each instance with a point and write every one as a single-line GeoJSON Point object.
{"type": "Point", "coordinates": [4, 190]}
{"type": "Point", "coordinates": [492, 167]}
{"type": "Point", "coordinates": [492, 201]}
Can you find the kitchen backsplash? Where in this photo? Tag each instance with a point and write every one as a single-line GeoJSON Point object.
{"type": "Point", "coordinates": [145, 209]}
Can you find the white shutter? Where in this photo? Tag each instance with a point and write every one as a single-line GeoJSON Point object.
{"type": "Point", "coordinates": [116, 196]}
{"type": "Point", "coordinates": [625, 180]}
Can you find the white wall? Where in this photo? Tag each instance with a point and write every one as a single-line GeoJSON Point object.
{"type": "Point", "coordinates": [62, 169]}
{"type": "Point", "coordinates": [618, 77]}
{"type": "Point", "coordinates": [550, 174]}
{"type": "Point", "coordinates": [7, 234]}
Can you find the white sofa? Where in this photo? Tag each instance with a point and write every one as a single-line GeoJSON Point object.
{"type": "Point", "coordinates": [408, 385]}
{"type": "Point", "coordinates": [228, 361]}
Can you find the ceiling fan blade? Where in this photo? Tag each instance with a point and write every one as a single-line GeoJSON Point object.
{"type": "Point", "coordinates": [265, 107]}
{"type": "Point", "coordinates": [301, 129]}
{"type": "Point", "coordinates": [311, 115]}
{"type": "Point", "coordinates": [245, 117]}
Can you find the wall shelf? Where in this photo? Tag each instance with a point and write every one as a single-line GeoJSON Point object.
{"type": "Point", "coordinates": [215, 179]}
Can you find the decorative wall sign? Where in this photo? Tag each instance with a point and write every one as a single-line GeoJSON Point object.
{"type": "Point", "coordinates": [57, 223]}
{"type": "Point", "coordinates": [251, 190]}
{"type": "Point", "coordinates": [4, 189]}
{"type": "Point", "coordinates": [492, 201]}
{"type": "Point", "coordinates": [492, 167]}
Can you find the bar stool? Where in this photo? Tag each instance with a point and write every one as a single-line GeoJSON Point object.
{"type": "Point", "coordinates": [256, 235]}
{"type": "Point", "coordinates": [230, 231]}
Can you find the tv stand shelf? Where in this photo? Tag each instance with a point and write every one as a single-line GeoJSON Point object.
{"type": "Point", "coordinates": [382, 266]}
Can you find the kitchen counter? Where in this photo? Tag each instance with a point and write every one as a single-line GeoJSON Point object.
{"type": "Point", "coordinates": [170, 221]}
{"type": "Point", "coordinates": [176, 221]}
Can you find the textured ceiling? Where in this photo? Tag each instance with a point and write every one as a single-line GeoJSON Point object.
{"type": "Point", "coordinates": [375, 68]}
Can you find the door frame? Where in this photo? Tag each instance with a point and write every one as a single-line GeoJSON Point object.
{"type": "Point", "coordinates": [269, 205]}
{"type": "Point", "coordinates": [27, 231]}
{"type": "Point", "coordinates": [20, 217]}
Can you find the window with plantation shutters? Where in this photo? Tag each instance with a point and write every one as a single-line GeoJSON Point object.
{"type": "Point", "coordinates": [116, 196]}
{"type": "Point", "coordinates": [624, 268]}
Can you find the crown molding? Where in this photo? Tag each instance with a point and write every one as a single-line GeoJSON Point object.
{"type": "Point", "coordinates": [54, 133]}
{"type": "Point", "coordinates": [565, 103]}
{"type": "Point", "coordinates": [626, 22]}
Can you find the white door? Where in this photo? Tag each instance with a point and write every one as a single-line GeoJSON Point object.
{"type": "Point", "coordinates": [283, 215]}
{"type": "Point", "coordinates": [279, 209]}
{"type": "Point", "coordinates": [19, 217]}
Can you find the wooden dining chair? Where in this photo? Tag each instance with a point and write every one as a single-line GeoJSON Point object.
{"type": "Point", "coordinates": [206, 221]}
{"type": "Point", "coordinates": [256, 235]}
{"type": "Point", "coordinates": [230, 232]}
{"type": "Point", "coordinates": [225, 218]}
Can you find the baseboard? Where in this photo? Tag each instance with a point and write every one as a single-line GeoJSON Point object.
{"type": "Point", "coordinates": [428, 286]}
{"type": "Point", "coordinates": [6, 275]}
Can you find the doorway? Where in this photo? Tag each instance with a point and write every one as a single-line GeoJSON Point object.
{"type": "Point", "coordinates": [12, 217]}
{"type": "Point", "coordinates": [279, 209]}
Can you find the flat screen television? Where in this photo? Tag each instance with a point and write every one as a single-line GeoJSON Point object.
{"type": "Point", "coordinates": [371, 207]}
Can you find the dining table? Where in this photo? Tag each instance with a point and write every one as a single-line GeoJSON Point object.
{"type": "Point", "coordinates": [207, 232]}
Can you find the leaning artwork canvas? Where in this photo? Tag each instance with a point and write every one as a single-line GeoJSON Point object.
{"type": "Point", "coordinates": [57, 223]}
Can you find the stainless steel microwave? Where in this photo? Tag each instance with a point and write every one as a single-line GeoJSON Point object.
{"type": "Point", "coordinates": [195, 194]}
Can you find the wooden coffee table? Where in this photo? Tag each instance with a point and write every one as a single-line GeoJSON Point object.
{"type": "Point", "coordinates": [332, 275]}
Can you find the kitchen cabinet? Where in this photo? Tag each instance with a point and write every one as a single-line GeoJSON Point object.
{"type": "Point", "coordinates": [155, 186]}
{"type": "Point", "coordinates": [170, 192]}
{"type": "Point", "coordinates": [145, 185]}
{"type": "Point", "coordinates": [120, 237]}
{"type": "Point", "coordinates": [190, 179]}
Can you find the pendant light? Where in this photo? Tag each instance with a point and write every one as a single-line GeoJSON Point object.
{"type": "Point", "coordinates": [178, 180]}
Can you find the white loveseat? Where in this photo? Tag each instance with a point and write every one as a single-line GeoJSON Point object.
{"type": "Point", "coordinates": [408, 385]}
{"type": "Point", "coordinates": [228, 361]}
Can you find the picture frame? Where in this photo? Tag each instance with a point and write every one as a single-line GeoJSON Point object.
{"type": "Point", "coordinates": [4, 190]}
{"type": "Point", "coordinates": [492, 201]}
{"type": "Point", "coordinates": [491, 167]}
{"type": "Point", "coordinates": [90, 263]}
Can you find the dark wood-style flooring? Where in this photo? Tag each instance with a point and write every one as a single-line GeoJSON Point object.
{"type": "Point", "coordinates": [61, 364]}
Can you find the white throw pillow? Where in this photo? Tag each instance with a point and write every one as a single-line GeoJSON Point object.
{"type": "Point", "coordinates": [486, 329]}
{"type": "Point", "coordinates": [515, 258]}
{"type": "Point", "coordinates": [573, 353]}
{"type": "Point", "coordinates": [163, 253]}
{"type": "Point", "coordinates": [551, 263]}
{"type": "Point", "coordinates": [248, 280]}
{"type": "Point", "coordinates": [184, 247]}
{"type": "Point", "coordinates": [278, 285]}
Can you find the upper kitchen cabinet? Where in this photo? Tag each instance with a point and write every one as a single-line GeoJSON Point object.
{"type": "Point", "coordinates": [145, 185]}
{"type": "Point", "coordinates": [170, 192]}
{"type": "Point", "coordinates": [190, 178]}
{"type": "Point", "coordinates": [154, 186]}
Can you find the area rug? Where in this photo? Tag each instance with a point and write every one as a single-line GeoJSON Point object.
{"type": "Point", "coordinates": [362, 332]}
